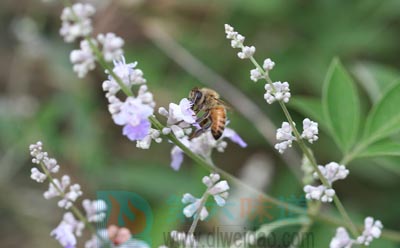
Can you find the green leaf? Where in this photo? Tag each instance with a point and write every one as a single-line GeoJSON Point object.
{"type": "Point", "coordinates": [310, 107]}
{"type": "Point", "coordinates": [341, 106]}
{"type": "Point", "coordinates": [384, 118]}
{"type": "Point", "coordinates": [375, 78]}
{"type": "Point", "coordinates": [384, 147]}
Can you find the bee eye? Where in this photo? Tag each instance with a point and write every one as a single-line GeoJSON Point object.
{"type": "Point", "coordinates": [197, 97]}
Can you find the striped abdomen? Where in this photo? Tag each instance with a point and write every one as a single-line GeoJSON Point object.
{"type": "Point", "coordinates": [218, 120]}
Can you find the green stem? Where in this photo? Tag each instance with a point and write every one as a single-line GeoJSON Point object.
{"type": "Point", "coordinates": [307, 153]}
{"type": "Point", "coordinates": [197, 216]}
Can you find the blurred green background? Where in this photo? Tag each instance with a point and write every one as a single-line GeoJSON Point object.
{"type": "Point", "coordinates": [42, 99]}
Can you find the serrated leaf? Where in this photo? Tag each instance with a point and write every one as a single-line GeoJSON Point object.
{"type": "Point", "coordinates": [384, 147]}
{"type": "Point", "coordinates": [341, 106]}
{"type": "Point", "coordinates": [384, 118]}
{"type": "Point", "coordinates": [310, 107]}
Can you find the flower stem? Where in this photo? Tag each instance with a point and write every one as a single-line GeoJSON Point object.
{"type": "Point", "coordinates": [197, 215]}
{"type": "Point", "coordinates": [307, 153]}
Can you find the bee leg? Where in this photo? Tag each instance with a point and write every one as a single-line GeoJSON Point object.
{"type": "Point", "coordinates": [204, 117]}
{"type": "Point", "coordinates": [205, 125]}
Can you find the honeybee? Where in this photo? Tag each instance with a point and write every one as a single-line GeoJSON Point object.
{"type": "Point", "coordinates": [214, 117]}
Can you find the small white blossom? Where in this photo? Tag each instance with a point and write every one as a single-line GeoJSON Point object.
{"type": "Point", "coordinates": [76, 21]}
{"type": "Point", "coordinates": [83, 59]}
{"type": "Point", "coordinates": [310, 130]}
{"type": "Point", "coordinates": [177, 131]}
{"type": "Point", "coordinates": [58, 188]}
{"type": "Point", "coordinates": [95, 210]}
{"type": "Point", "coordinates": [179, 113]}
{"type": "Point", "coordinates": [146, 96]}
{"type": "Point", "coordinates": [111, 46]}
{"type": "Point", "coordinates": [204, 144]}
{"type": "Point", "coordinates": [279, 92]}
{"type": "Point", "coordinates": [256, 75]}
{"type": "Point", "coordinates": [36, 151]}
{"type": "Point", "coordinates": [320, 192]}
{"type": "Point", "coordinates": [268, 65]}
{"type": "Point", "coordinates": [70, 197]}
{"type": "Point", "coordinates": [231, 34]}
{"type": "Point", "coordinates": [145, 143]}
{"type": "Point", "coordinates": [216, 188]}
{"type": "Point", "coordinates": [193, 206]}
{"type": "Point", "coordinates": [341, 239]}
{"type": "Point", "coordinates": [37, 175]}
{"type": "Point", "coordinates": [284, 134]}
{"type": "Point", "coordinates": [332, 172]}
{"type": "Point", "coordinates": [247, 52]}
{"type": "Point", "coordinates": [372, 230]}
{"type": "Point", "coordinates": [183, 239]}
{"type": "Point", "coordinates": [237, 42]}
{"type": "Point", "coordinates": [219, 190]}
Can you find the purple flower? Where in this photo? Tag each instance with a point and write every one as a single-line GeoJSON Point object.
{"type": "Point", "coordinates": [64, 235]}
{"type": "Point", "coordinates": [234, 137]}
{"type": "Point", "coordinates": [133, 115]}
{"type": "Point", "coordinates": [137, 132]}
{"type": "Point", "coordinates": [128, 72]}
{"type": "Point", "coordinates": [176, 158]}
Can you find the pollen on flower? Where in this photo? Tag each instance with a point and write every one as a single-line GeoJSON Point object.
{"type": "Point", "coordinates": [310, 130]}
{"type": "Point", "coordinates": [83, 59]}
{"type": "Point", "coordinates": [76, 21]}
{"type": "Point", "coordinates": [278, 92]}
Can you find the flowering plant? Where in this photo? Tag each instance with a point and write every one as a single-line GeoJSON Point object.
{"type": "Point", "coordinates": [132, 105]}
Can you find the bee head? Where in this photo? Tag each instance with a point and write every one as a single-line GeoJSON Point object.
{"type": "Point", "coordinates": [195, 95]}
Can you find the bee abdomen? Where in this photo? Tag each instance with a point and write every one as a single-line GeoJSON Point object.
{"type": "Point", "coordinates": [218, 119]}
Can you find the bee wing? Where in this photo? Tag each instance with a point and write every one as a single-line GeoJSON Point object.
{"type": "Point", "coordinates": [227, 106]}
